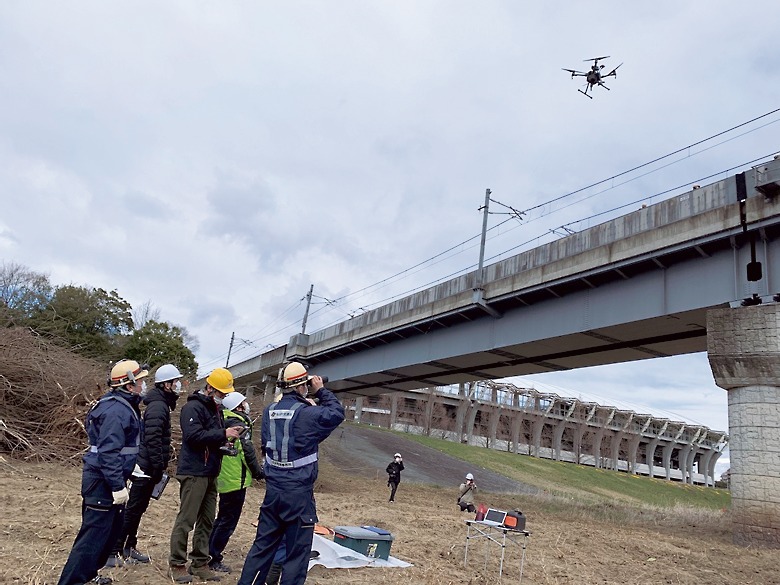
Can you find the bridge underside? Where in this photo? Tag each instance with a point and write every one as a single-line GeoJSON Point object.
{"type": "Point", "coordinates": [650, 307]}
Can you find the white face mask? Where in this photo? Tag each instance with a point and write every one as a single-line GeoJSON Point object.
{"type": "Point", "coordinates": [177, 386]}
{"type": "Point", "coordinates": [143, 387]}
{"type": "Point", "coordinates": [217, 399]}
{"type": "Point", "coordinates": [246, 408]}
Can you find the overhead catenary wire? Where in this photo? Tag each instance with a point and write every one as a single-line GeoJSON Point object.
{"type": "Point", "coordinates": [514, 214]}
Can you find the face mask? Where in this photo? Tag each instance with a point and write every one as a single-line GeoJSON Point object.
{"type": "Point", "coordinates": [143, 388]}
{"type": "Point", "coordinates": [246, 408]}
{"type": "Point", "coordinates": [177, 387]}
{"type": "Point", "coordinates": [217, 399]}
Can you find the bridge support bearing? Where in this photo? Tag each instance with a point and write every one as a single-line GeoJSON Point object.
{"type": "Point", "coordinates": [744, 353]}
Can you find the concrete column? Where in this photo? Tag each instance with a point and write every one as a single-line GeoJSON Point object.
{"type": "Point", "coordinates": [598, 436]}
{"type": "Point", "coordinates": [358, 409]}
{"type": "Point", "coordinates": [667, 458]}
{"type": "Point", "coordinates": [557, 439]}
{"type": "Point", "coordinates": [650, 455]}
{"type": "Point", "coordinates": [495, 417]}
{"type": "Point", "coordinates": [743, 348]}
{"type": "Point", "coordinates": [536, 429]}
{"type": "Point", "coordinates": [470, 419]}
{"type": "Point", "coordinates": [460, 415]}
{"type": "Point", "coordinates": [517, 423]}
{"type": "Point", "coordinates": [633, 449]}
{"type": "Point", "coordinates": [393, 409]}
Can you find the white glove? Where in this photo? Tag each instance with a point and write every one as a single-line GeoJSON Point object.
{"type": "Point", "coordinates": [120, 497]}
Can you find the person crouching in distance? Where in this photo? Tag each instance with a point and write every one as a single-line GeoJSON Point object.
{"type": "Point", "coordinates": [466, 494]}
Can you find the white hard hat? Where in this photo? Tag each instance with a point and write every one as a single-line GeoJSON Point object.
{"type": "Point", "coordinates": [166, 373]}
{"type": "Point", "coordinates": [397, 455]}
{"type": "Point", "coordinates": [469, 476]}
{"type": "Point", "coordinates": [232, 400]}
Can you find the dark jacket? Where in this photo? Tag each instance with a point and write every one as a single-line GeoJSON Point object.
{"type": "Point", "coordinates": [394, 471]}
{"type": "Point", "coordinates": [113, 428]}
{"type": "Point", "coordinates": [202, 435]}
{"type": "Point", "coordinates": [309, 426]}
{"type": "Point", "coordinates": [155, 449]}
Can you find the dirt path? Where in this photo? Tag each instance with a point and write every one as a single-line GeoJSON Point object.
{"type": "Point", "coordinates": [365, 451]}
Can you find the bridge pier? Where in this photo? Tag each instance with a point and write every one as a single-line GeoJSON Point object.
{"type": "Point", "coordinates": [744, 353]}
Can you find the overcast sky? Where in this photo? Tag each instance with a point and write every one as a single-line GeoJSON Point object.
{"type": "Point", "coordinates": [218, 158]}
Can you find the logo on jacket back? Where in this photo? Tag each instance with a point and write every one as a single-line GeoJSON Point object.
{"type": "Point", "coordinates": [281, 414]}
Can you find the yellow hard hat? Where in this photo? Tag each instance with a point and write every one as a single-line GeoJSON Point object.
{"type": "Point", "coordinates": [294, 374]}
{"type": "Point", "coordinates": [221, 379]}
{"type": "Point", "coordinates": [124, 372]}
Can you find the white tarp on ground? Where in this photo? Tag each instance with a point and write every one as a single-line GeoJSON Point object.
{"type": "Point", "coordinates": [335, 556]}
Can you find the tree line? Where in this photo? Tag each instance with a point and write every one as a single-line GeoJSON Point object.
{"type": "Point", "coordinates": [92, 322]}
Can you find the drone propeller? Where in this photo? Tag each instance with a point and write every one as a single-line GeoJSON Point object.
{"type": "Point", "coordinates": [613, 72]}
{"type": "Point", "coordinates": [573, 72]}
{"type": "Point", "coordinates": [597, 59]}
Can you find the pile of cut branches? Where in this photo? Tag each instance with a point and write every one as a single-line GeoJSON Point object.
{"type": "Point", "coordinates": [45, 393]}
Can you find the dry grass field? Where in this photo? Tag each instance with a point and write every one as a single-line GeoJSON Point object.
{"type": "Point", "coordinates": [569, 543]}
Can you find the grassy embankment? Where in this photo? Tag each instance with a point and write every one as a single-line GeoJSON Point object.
{"type": "Point", "coordinates": [583, 483]}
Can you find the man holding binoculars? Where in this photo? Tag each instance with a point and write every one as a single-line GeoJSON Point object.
{"type": "Point", "coordinates": [291, 432]}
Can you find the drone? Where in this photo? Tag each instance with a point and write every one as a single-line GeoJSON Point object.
{"type": "Point", "coordinates": [594, 76]}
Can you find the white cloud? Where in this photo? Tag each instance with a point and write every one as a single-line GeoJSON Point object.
{"type": "Point", "coordinates": [234, 154]}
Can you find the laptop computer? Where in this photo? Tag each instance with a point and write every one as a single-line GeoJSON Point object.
{"type": "Point", "coordinates": [494, 517]}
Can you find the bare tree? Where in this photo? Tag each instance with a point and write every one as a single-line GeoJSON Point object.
{"type": "Point", "coordinates": [23, 293]}
{"type": "Point", "coordinates": [144, 313]}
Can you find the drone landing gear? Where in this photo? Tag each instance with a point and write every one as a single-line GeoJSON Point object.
{"type": "Point", "coordinates": [585, 94]}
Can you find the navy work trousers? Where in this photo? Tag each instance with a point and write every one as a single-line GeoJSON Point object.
{"type": "Point", "coordinates": [140, 495]}
{"type": "Point", "coordinates": [100, 528]}
{"type": "Point", "coordinates": [288, 515]}
{"type": "Point", "coordinates": [230, 506]}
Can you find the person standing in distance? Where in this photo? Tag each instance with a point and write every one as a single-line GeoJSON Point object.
{"type": "Point", "coordinates": [153, 457]}
{"type": "Point", "coordinates": [291, 432]}
{"type": "Point", "coordinates": [113, 427]}
{"type": "Point", "coordinates": [394, 470]}
{"type": "Point", "coordinates": [466, 494]}
{"type": "Point", "coordinates": [234, 478]}
{"type": "Point", "coordinates": [199, 461]}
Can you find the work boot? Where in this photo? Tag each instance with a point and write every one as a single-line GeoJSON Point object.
{"type": "Point", "coordinates": [203, 573]}
{"type": "Point", "coordinates": [179, 574]}
{"type": "Point", "coordinates": [102, 580]}
{"type": "Point", "coordinates": [132, 556]}
{"type": "Point", "coordinates": [114, 561]}
{"type": "Point", "coordinates": [219, 566]}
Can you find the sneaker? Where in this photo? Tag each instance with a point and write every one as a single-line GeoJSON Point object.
{"type": "Point", "coordinates": [102, 580]}
{"type": "Point", "coordinates": [132, 555]}
{"type": "Point", "coordinates": [114, 561]}
{"type": "Point", "coordinates": [203, 573]}
{"type": "Point", "coordinates": [179, 574]}
{"type": "Point", "coordinates": [219, 566]}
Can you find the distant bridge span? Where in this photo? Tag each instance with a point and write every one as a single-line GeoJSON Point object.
{"type": "Point", "coordinates": [635, 287]}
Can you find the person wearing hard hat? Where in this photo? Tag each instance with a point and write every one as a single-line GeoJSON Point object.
{"type": "Point", "coordinates": [394, 469]}
{"type": "Point", "coordinates": [199, 461]}
{"type": "Point", "coordinates": [113, 427]}
{"type": "Point", "coordinates": [153, 457]}
{"type": "Point", "coordinates": [291, 432]}
{"type": "Point", "coordinates": [235, 476]}
{"type": "Point", "coordinates": [466, 494]}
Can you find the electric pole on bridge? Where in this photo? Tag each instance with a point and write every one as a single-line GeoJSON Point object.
{"type": "Point", "coordinates": [479, 292]}
{"type": "Point", "coordinates": [308, 304]}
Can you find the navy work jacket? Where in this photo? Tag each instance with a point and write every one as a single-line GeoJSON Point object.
{"type": "Point", "coordinates": [113, 428]}
{"type": "Point", "coordinates": [300, 435]}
